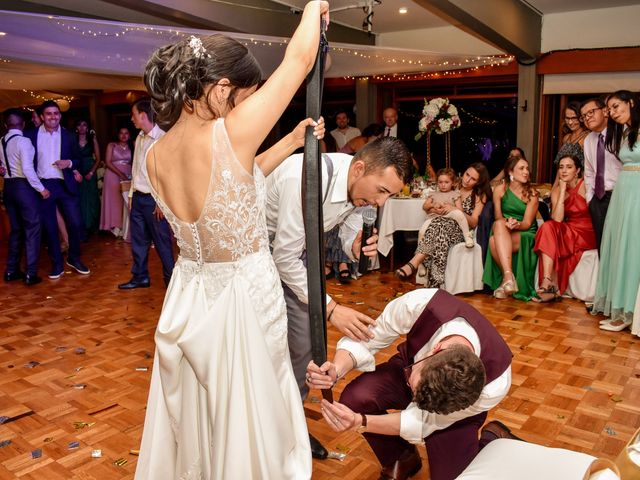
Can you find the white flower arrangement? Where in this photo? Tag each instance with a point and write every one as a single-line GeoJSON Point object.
{"type": "Point", "coordinates": [439, 115]}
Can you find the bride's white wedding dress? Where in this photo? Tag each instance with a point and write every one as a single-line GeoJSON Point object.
{"type": "Point", "coordinates": [223, 401]}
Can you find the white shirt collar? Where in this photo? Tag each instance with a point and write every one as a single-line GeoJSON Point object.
{"type": "Point", "coordinates": [44, 130]}
{"type": "Point", "coordinates": [340, 192]}
{"type": "Point", "coordinates": [155, 133]}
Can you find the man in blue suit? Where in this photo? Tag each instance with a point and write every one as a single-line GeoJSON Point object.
{"type": "Point", "coordinates": [56, 161]}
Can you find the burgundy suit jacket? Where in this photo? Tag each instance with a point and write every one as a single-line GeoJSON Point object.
{"type": "Point", "coordinates": [444, 307]}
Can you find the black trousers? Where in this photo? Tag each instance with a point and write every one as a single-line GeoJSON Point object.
{"type": "Point", "coordinates": [145, 228]}
{"type": "Point", "coordinates": [23, 209]}
{"type": "Point", "coordinates": [598, 209]}
{"type": "Point", "coordinates": [69, 206]}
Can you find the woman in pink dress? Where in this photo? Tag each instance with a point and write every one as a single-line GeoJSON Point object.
{"type": "Point", "coordinates": [561, 241]}
{"type": "Point", "coordinates": [118, 160]}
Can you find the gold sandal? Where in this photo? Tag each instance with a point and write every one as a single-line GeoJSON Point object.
{"type": "Point", "coordinates": [511, 286]}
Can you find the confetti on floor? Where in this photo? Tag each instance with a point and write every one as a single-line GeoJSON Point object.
{"type": "Point", "coordinates": [337, 455]}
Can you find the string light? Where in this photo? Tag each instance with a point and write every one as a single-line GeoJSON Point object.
{"type": "Point", "coordinates": [474, 119]}
{"type": "Point", "coordinates": [42, 98]}
{"type": "Point", "coordinates": [425, 69]}
{"type": "Point", "coordinates": [119, 32]}
{"type": "Point", "coordinates": [490, 62]}
{"type": "Point", "coordinates": [464, 63]}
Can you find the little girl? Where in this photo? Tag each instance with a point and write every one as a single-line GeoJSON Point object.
{"type": "Point", "coordinates": [439, 203]}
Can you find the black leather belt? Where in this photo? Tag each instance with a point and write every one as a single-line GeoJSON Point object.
{"type": "Point", "coordinates": [312, 210]}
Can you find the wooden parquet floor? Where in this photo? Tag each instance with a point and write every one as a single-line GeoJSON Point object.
{"type": "Point", "coordinates": [76, 357]}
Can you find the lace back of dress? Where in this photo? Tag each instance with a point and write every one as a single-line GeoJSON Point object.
{"type": "Point", "coordinates": [232, 222]}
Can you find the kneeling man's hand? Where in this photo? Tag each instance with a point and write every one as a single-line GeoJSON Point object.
{"type": "Point", "coordinates": [322, 377]}
{"type": "Point", "coordinates": [339, 416]}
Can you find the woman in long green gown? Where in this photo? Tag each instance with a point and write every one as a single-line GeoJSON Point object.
{"type": "Point", "coordinates": [511, 261]}
{"type": "Point", "coordinates": [619, 270]}
{"type": "Point", "coordinates": [89, 151]}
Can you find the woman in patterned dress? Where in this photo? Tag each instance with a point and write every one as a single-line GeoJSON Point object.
{"type": "Point", "coordinates": [444, 232]}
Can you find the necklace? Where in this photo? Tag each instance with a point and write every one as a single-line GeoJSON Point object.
{"type": "Point", "coordinates": [124, 147]}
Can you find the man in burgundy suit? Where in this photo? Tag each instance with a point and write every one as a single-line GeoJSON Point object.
{"type": "Point", "coordinates": [452, 368]}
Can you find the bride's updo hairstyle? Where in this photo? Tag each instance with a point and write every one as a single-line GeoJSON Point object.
{"type": "Point", "coordinates": [177, 75]}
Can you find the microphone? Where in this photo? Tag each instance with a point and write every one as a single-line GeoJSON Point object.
{"type": "Point", "coordinates": [369, 215]}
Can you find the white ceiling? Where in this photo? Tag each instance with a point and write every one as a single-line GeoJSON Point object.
{"type": "Point", "coordinates": [558, 6]}
{"type": "Point", "coordinates": [386, 18]}
{"type": "Point", "coordinates": [41, 52]}
{"type": "Point", "coordinates": [37, 54]}
{"type": "Point", "coordinates": [385, 15]}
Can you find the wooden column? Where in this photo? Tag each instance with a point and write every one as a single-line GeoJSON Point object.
{"type": "Point", "coordinates": [366, 102]}
{"type": "Point", "coordinates": [528, 107]}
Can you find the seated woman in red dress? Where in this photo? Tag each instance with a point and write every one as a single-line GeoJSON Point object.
{"type": "Point", "coordinates": [561, 240]}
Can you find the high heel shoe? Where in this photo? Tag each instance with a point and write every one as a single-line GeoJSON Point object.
{"type": "Point", "coordinates": [510, 287]}
{"type": "Point", "coordinates": [499, 293]}
{"type": "Point", "coordinates": [616, 325]}
{"type": "Point", "coordinates": [402, 274]}
{"type": "Point", "coordinates": [542, 289]}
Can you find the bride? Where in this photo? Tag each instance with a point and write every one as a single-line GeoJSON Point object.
{"type": "Point", "coordinates": [223, 402]}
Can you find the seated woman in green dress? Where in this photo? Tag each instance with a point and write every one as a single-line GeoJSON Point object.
{"type": "Point", "coordinates": [511, 261]}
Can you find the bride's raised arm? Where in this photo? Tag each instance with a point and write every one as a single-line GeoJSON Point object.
{"type": "Point", "coordinates": [250, 122]}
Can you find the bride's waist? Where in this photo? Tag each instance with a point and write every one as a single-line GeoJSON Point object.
{"type": "Point", "coordinates": [224, 265]}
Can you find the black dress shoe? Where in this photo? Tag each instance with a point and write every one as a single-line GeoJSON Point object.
{"type": "Point", "coordinates": [30, 280]}
{"type": "Point", "coordinates": [11, 276]}
{"type": "Point", "coordinates": [494, 430]}
{"type": "Point", "coordinates": [317, 450]}
{"type": "Point", "coordinates": [405, 467]}
{"type": "Point", "coordinates": [146, 283]}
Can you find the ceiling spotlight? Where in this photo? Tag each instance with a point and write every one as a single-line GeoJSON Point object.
{"type": "Point", "coordinates": [402, 10]}
{"type": "Point", "coordinates": [2, 34]}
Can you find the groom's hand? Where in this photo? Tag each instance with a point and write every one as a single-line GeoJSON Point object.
{"type": "Point", "coordinates": [352, 323]}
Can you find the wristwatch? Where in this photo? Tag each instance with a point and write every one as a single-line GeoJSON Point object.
{"type": "Point", "coordinates": [363, 427]}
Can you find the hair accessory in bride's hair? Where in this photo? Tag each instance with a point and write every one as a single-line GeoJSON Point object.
{"type": "Point", "coordinates": [198, 49]}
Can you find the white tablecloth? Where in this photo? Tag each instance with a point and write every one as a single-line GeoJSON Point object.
{"type": "Point", "coordinates": [405, 214]}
